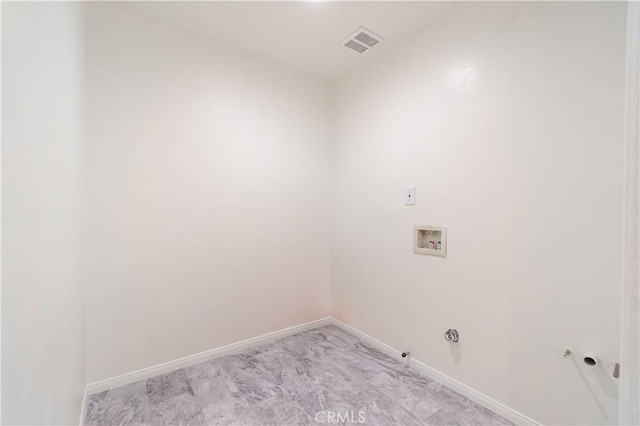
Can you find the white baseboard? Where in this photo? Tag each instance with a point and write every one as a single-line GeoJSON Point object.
{"type": "Point", "coordinates": [190, 360]}
{"type": "Point", "coordinates": [480, 398]}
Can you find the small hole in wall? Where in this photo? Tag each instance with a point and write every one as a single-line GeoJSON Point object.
{"type": "Point", "coordinates": [590, 361]}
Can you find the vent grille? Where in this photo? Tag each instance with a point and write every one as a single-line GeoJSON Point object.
{"type": "Point", "coordinates": [362, 40]}
{"type": "Point", "coordinates": [367, 39]}
{"type": "Point", "coordinates": [356, 46]}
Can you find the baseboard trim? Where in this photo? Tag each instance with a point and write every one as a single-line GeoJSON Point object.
{"type": "Point", "coordinates": [190, 360]}
{"type": "Point", "coordinates": [478, 397]}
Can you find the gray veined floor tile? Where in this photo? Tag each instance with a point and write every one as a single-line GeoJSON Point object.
{"type": "Point", "coordinates": [289, 382]}
{"type": "Point", "coordinates": [231, 409]}
{"type": "Point", "coordinates": [252, 381]}
{"type": "Point", "coordinates": [280, 411]}
{"type": "Point", "coordinates": [312, 388]}
{"type": "Point", "coordinates": [119, 410]}
{"type": "Point", "coordinates": [218, 396]}
{"type": "Point", "coordinates": [450, 397]}
{"type": "Point", "coordinates": [263, 378]}
{"type": "Point", "coordinates": [93, 414]}
{"type": "Point", "coordinates": [384, 411]}
{"type": "Point", "coordinates": [178, 410]}
{"type": "Point", "coordinates": [462, 411]}
{"type": "Point", "coordinates": [302, 418]}
{"type": "Point", "coordinates": [467, 416]}
{"type": "Point", "coordinates": [209, 382]}
{"type": "Point", "coordinates": [416, 399]}
{"type": "Point", "coordinates": [167, 386]}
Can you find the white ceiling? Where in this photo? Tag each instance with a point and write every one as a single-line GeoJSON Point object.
{"type": "Point", "coordinates": [301, 35]}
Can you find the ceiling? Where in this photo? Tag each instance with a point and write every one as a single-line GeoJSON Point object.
{"type": "Point", "coordinates": [301, 35]}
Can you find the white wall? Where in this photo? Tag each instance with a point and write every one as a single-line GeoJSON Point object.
{"type": "Point", "coordinates": [208, 206]}
{"type": "Point", "coordinates": [43, 332]}
{"type": "Point", "coordinates": [630, 380]}
{"type": "Point", "coordinates": [508, 117]}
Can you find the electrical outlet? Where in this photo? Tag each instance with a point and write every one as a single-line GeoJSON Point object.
{"type": "Point", "coordinates": [410, 195]}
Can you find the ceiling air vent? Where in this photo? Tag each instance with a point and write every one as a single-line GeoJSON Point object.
{"type": "Point", "coordinates": [362, 40]}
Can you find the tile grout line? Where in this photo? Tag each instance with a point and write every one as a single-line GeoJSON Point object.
{"type": "Point", "coordinates": [250, 405]}
{"type": "Point", "coordinates": [236, 384]}
{"type": "Point", "coordinates": [194, 397]}
{"type": "Point", "coordinates": [284, 349]}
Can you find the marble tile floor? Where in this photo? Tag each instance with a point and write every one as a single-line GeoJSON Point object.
{"type": "Point", "coordinates": [320, 376]}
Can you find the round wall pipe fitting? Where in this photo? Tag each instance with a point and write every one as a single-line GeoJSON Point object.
{"type": "Point", "coordinates": [590, 360]}
{"type": "Point", "coordinates": [451, 335]}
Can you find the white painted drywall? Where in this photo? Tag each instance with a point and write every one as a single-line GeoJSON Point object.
{"type": "Point", "coordinates": [630, 359]}
{"type": "Point", "coordinates": [208, 195]}
{"type": "Point", "coordinates": [43, 310]}
{"type": "Point", "coordinates": [508, 118]}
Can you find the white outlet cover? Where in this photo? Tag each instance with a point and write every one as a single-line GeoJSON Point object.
{"type": "Point", "coordinates": [410, 195]}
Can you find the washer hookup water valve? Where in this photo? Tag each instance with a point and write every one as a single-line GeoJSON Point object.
{"type": "Point", "coordinates": [451, 335]}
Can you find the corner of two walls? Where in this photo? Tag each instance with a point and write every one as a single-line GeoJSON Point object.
{"type": "Point", "coordinates": [508, 118]}
{"type": "Point", "coordinates": [208, 195]}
